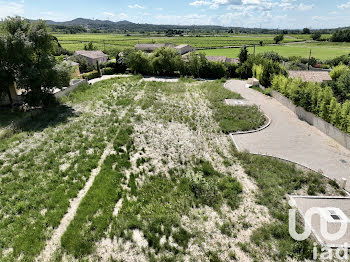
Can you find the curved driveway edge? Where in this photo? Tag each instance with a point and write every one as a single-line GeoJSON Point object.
{"type": "Point", "coordinates": [291, 139]}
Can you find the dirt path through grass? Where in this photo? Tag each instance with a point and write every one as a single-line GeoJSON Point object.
{"type": "Point", "coordinates": [55, 240]}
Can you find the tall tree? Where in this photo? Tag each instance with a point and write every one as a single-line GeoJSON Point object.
{"type": "Point", "coordinates": [27, 59]}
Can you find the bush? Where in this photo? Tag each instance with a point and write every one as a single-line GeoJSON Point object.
{"type": "Point", "coordinates": [278, 38]}
{"type": "Point", "coordinates": [316, 99]}
{"type": "Point", "coordinates": [232, 70]}
{"type": "Point", "coordinates": [138, 61]}
{"type": "Point", "coordinates": [274, 56]}
{"type": "Point", "coordinates": [84, 67]}
{"type": "Point", "coordinates": [166, 61]}
{"type": "Point", "coordinates": [258, 72]}
{"type": "Point", "coordinates": [108, 71]}
{"type": "Point", "coordinates": [338, 71]}
{"type": "Point", "coordinates": [342, 86]}
{"type": "Point", "coordinates": [243, 55]}
{"type": "Point", "coordinates": [316, 36]}
{"type": "Point", "coordinates": [91, 75]}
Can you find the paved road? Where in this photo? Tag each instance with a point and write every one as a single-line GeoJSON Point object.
{"type": "Point", "coordinates": [292, 139]}
{"type": "Point", "coordinates": [105, 77]}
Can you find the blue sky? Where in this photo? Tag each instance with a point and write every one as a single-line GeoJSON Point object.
{"type": "Point", "coordinates": [246, 13]}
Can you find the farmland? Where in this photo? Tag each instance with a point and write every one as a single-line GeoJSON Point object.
{"type": "Point", "coordinates": [168, 184]}
{"type": "Point", "coordinates": [212, 45]}
{"type": "Point", "coordinates": [321, 51]}
{"type": "Point", "coordinates": [112, 41]}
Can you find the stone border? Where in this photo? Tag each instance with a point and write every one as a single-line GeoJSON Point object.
{"type": "Point", "coordinates": [266, 125]}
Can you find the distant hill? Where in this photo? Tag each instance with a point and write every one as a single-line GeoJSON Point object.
{"type": "Point", "coordinates": [106, 25]}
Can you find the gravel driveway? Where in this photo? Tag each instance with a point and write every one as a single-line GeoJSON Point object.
{"type": "Point", "coordinates": [292, 139]}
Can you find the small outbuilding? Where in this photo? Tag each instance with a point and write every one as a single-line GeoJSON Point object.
{"type": "Point", "coordinates": [149, 48]}
{"type": "Point", "coordinates": [184, 49]}
{"type": "Point", "coordinates": [92, 57]}
{"type": "Point", "coordinates": [222, 59]}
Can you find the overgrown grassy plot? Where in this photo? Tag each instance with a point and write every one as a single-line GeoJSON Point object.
{"type": "Point", "coordinates": [45, 164]}
{"type": "Point", "coordinates": [96, 210]}
{"type": "Point", "coordinates": [275, 179]}
{"type": "Point", "coordinates": [158, 205]}
{"type": "Point", "coordinates": [232, 118]}
{"type": "Point", "coordinates": [36, 188]}
{"type": "Point", "coordinates": [154, 207]}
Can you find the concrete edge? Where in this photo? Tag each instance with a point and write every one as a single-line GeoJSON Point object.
{"type": "Point", "coordinates": [320, 197]}
{"type": "Point", "coordinates": [269, 121]}
{"type": "Point", "coordinates": [288, 161]}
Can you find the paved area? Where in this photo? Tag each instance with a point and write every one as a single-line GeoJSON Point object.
{"type": "Point", "coordinates": [292, 139]}
{"type": "Point", "coordinates": [105, 77]}
{"type": "Point", "coordinates": [160, 79]}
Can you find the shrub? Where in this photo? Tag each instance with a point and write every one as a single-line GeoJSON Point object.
{"type": "Point", "coordinates": [316, 36]}
{"type": "Point", "coordinates": [91, 75]}
{"type": "Point", "coordinates": [278, 38]}
{"type": "Point", "coordinates": [232, 70]}
{"type": "Point", "coordinates": [138, 62]}
{"type": "Point", "coordinates": [243, 55]}
{"type": "Point", "coordinates": [108, 71]}
{"type": "Point", "coordinates": [316, 99]}
{"type": "Point", "coordinates": [342, 86]}
{"type": "Point", "coordinates": [338, 71]}
{"type": "Point", "coordinates": [258, 72]}
{"type": "Point", "coordinates": [274, 56]}
{"type": "Point", "coordinates": [166, 61]}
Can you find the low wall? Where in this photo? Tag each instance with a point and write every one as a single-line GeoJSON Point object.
{"type": "Point", "coordinates": [74, 84]}
{"type": "Point", "coordinates": [320, 124]}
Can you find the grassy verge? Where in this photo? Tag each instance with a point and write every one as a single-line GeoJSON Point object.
{"type": "Point", "coordinates": [275, 180]}
{"type": "Point", "coordinates": [232, 118]}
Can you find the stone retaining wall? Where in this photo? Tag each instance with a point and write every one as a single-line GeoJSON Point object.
{"type": "Point", "coordinates": [74, 84]}
{"type": "Point", "coordinates": [320, 124]}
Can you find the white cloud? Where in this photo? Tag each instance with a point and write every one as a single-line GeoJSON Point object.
{"type": "Point", "coordinates": [304, 7]}
{"type": "Point", "coordinates": [109, 14]}
{"type": "Point", "coordinates": [344, 6]}
{"type": "Point", "coordinates": [136, 6]}
{"type": "Point", "coordinates": [11, 8]}
{"type": "Point", "coordinates": [122, 16]}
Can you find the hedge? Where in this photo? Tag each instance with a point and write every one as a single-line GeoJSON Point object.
{"type": "Point", "coordinates": [91, 75]}
{"type": "Point", "coordinates": [315, 99]}
{"type": "Point", "coordinates": [108, 71]}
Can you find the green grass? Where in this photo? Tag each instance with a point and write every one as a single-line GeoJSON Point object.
{"type": "Point", "coordinates": [320, 51]}
{"type": "Point", "coordinates": [232, 118]}
{"type": "Point", "coordinates": [276, 179]}
{"type": "Point", "coordinates": [112, 41]}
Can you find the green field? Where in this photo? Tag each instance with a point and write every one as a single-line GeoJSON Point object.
{"type": "Point", "coordinates": [107, 42]}
{"type": "Point", "coordinates": [318, 51]}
